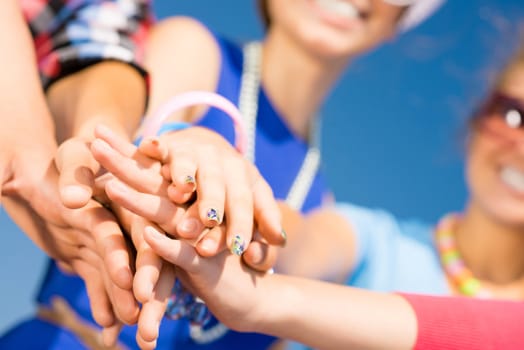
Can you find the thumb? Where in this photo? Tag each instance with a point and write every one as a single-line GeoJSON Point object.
{"type": "Point", "coordinates": [77, 169]}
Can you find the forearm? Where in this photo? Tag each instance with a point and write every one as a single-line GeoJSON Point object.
{"type": "Point", "coordinates": [329, 316]}
{"type": "Point", "coordinates": [111, 93]}
{"type": "Point", "coordinates": [23, 111]}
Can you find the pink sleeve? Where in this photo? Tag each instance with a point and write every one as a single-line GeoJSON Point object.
{"type": "Point", "coordinates": [464, 323]}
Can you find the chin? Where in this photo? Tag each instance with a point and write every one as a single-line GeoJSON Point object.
{"type": "Point", "coordinates": [510, 213]}
{"type": "Point", "coordinates": [336, 47]}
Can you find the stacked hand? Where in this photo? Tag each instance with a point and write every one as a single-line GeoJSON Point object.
{"type": "Point", "coordinates": [151, 182]}
{"type": "Point", "coordinates": [87, 240]}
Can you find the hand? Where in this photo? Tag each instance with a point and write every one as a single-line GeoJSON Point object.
{"type": "Point", "coordinates": [230, 289]}
{"type": "Point", "coordinates": [77, 169]}
{"type": "Point", "coordinates": [246, 193]}
{"type": "Point", "coordinates": [149, 200]}
{"type": "Point", "coordinates": [88, 240]}
{"type": "Point", "coordinates": [153, 283]}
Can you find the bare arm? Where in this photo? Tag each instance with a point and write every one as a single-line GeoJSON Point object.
{"type": "Point", "coordinates": [27, 141]}
{"type": "Point", "coordinates": [30, 178]}
{"type": "Point", "coordinates": [181, 56]}
{"type": "Point", "coordinates": [318, 314]}
{"type": "Point", "coordinates": [112, 93]}
{"type": "Point", "coordinates": [26, 121]}
{"type": "Point", "coordinates": [328, 316]}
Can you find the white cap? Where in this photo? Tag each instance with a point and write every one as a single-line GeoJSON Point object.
{"type": "Point", "coordinates": [417, 12]}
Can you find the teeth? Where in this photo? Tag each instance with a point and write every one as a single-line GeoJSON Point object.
{"type": "Point", "coordinates": [338, 7]}
{"type": "Point", "coordinates": [513, 178]}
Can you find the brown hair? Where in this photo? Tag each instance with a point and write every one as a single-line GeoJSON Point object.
{"type": "Point", "coordinates": [516, 61]}
{"type": "Point", "coordinates": [264, 13]}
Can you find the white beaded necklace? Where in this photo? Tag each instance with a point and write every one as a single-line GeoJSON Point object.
{"type": "Point", "coordinates": [248, 105]}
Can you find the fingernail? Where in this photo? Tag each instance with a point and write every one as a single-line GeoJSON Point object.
{"type": "Point", "coordinates": [188, 226]}
{"type": "Point", "coordinates": [284, 237]}
{"type": "Point", "coordinates": [238, 245]}
{"type": "Point", "coordinates": [73, 191]}
{"type": "Point", "coordinates": [149, 289]}
{"type": "Point", "coordinates": [257, 256]}
{"type": "Point", "coordinates": [212, 215]}
{"type": "Point", "coordinates": [190, 180]}
{"type": "Point", "coordinates": [208, 244]}
{"type": "Point", "coordinates": [154, 141]}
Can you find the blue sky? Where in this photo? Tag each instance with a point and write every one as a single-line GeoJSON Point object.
{"type": "Point", "coordinates": [393, 130]}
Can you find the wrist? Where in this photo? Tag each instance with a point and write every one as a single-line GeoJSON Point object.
{"type": "Point", "coordinates": [275, 309]}
{"type": "Point", "coordinates": [110, 93]}
{"type": "Point", "coordinates": [166, 128]}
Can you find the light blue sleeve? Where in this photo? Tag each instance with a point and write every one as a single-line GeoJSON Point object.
{"type": "Point", "coordinates": [369, 225]}
{"type": "Point", "coordinates": [392, 254]}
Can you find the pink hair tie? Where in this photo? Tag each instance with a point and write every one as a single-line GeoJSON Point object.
{"type": "Point", "coordinates": [193, 98]}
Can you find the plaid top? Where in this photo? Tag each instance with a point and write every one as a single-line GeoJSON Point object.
{"type": "Point", "coordinates": [70, 35]}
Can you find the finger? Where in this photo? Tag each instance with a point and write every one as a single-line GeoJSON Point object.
{"type": "Point", "coordinates": [210, 187]}
{"type": "Point", "coordinates": [182, 162]}
{"type": "Point", "coordinates": [128, 170]}
{"type": "Point", "coordinates": [190, 226]}
{"type": "Point", "coordinates": [153, 311]}
{"type": "Point", "coordinates": [76, 167]}
{"type": "Point", "coordinates": [144, 345]}
{"type": "Point", "coordinates": [178, 195]}
{"type": "Point", "coordinates": [212, 242]}
{"type": "Point", "coordinates": [260, 256]}
{"type": "Point", "coordinates": [101, 308]}
{"type": "Point", "coordinates": [110, 334]}
{"type": "Point", "coordinates": [177, 252]}
{"type": "Point", "coordinates": [154, 149]}
{"type": "Point", "coordinates": [123, 303]}
{"type": "Point", "coordinates": [115, 141]}
{"type": "Point", "coordinates": [99, 188]}
{"type": "Point", "coordinates": [266, 210]}
{"type": "Point", "coordinates": [239, 206]}
{"type": "Point", "coordinates": [166, 173]}
{"type": "Point", "coordinates": [148, 263]}
{"type": "Point", "coordinates": [154, 208]}
{"type": "Point", "coordinates": [109, 240]}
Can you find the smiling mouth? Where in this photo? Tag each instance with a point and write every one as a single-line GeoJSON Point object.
{"type": "Point", "coordinates": [513, 178]}
{"type": "Point", "coordinates": [340, 8]}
